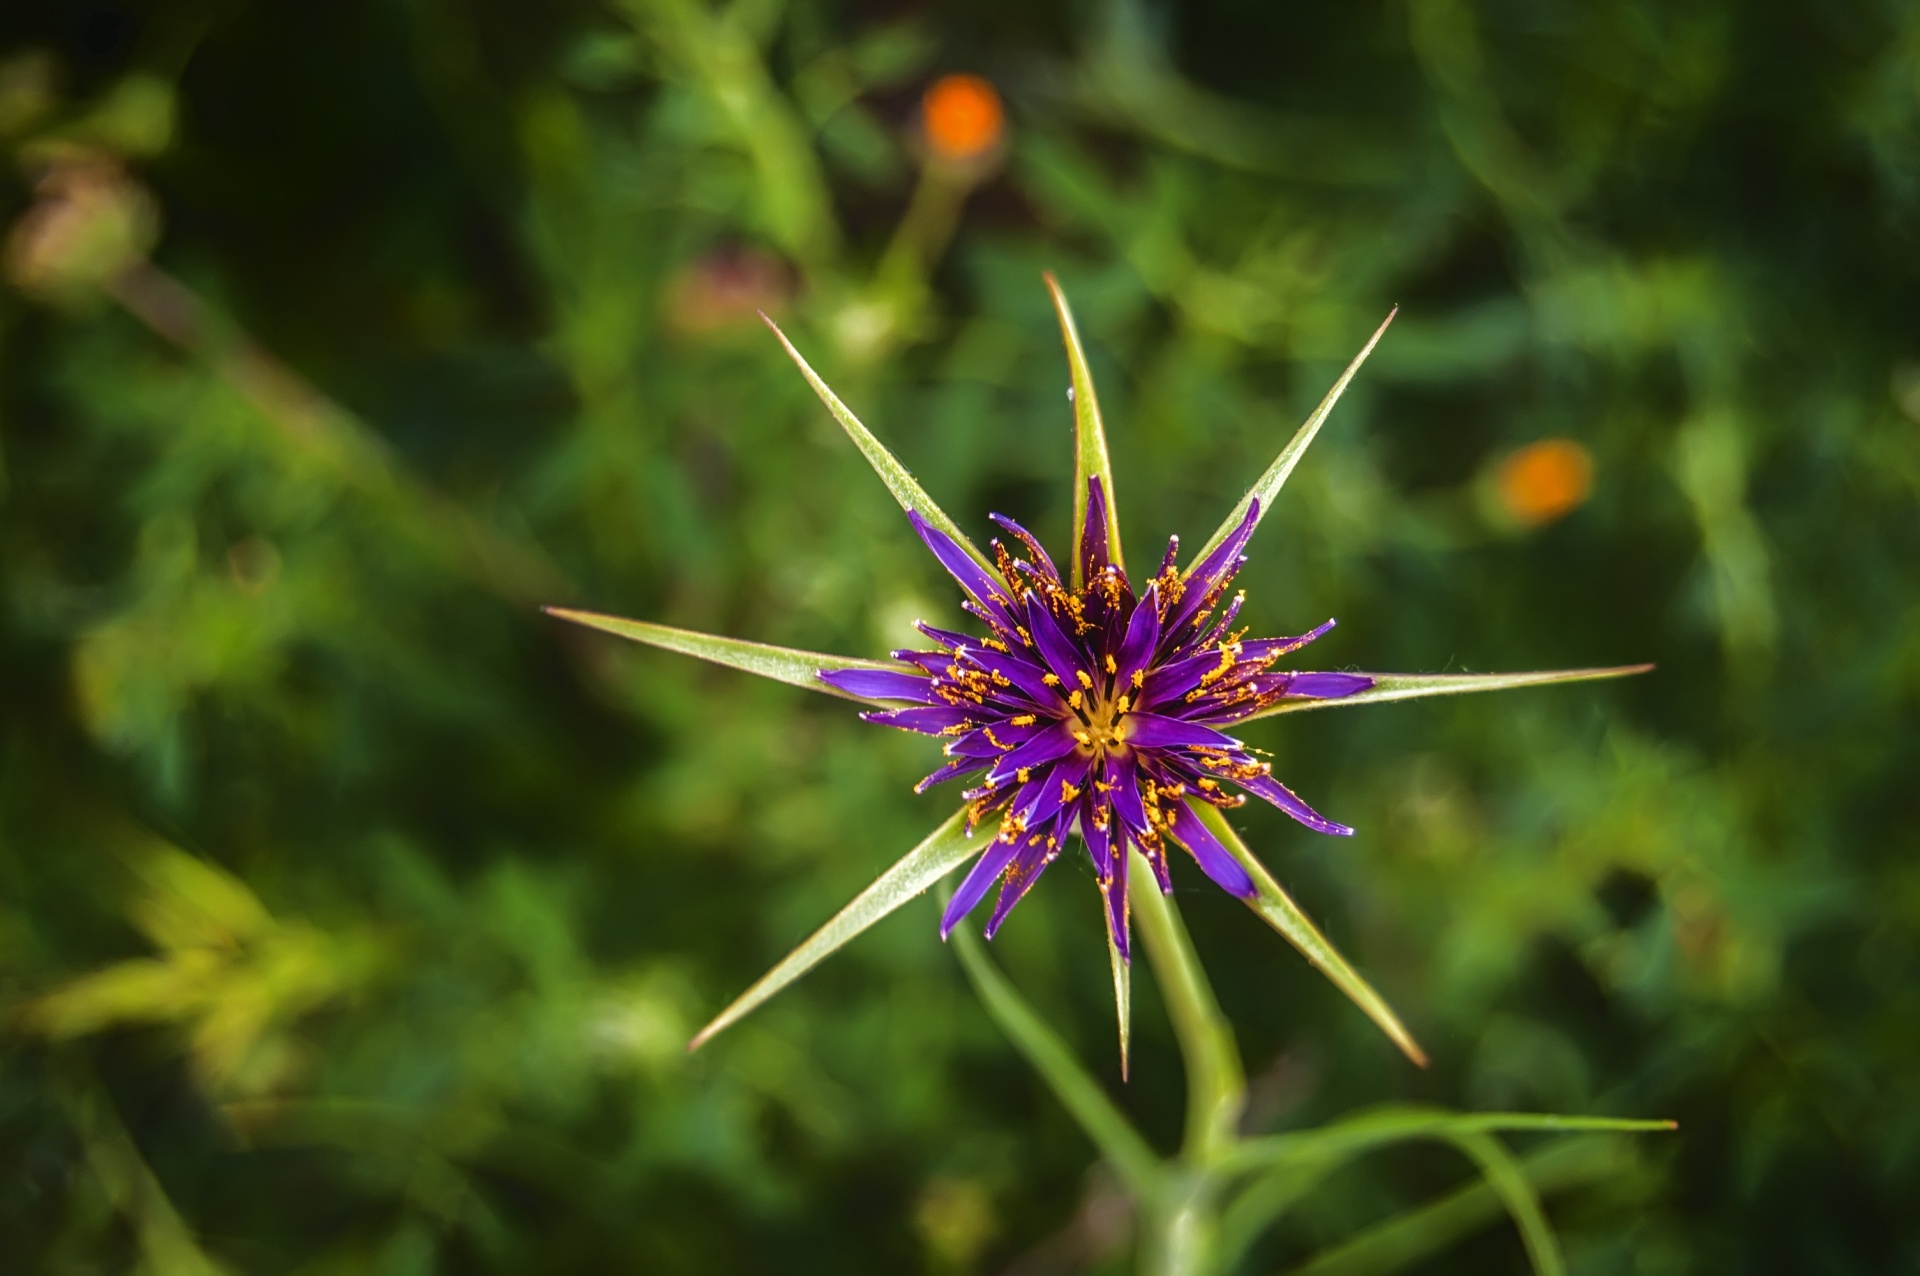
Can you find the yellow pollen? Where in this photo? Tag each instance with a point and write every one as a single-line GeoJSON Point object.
{"type": "Point", "coordinates": [1023, 774]}
{"type": "Point", "coordinates": [1084, 680]}
{"type": "Point", "coordinates": [1067, 792]}
{"type": "Point", "coordinates": [1050, 679]}
{"type": "Point", "coordinates": [1112, 667]}
{"type": "Point", "coordinates": [1076, 700]}
{"type": "Point", "coordinates": [1021, 720]}
{"type": "Point", "coordinates": [1139, 678]}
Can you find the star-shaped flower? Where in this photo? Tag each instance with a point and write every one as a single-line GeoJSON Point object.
{"type": "Point", "coordinates": [1087, 709]}
{"type": "Point", "coordinates": [1096, 712]}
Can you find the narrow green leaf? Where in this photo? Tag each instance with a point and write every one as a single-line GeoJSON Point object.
{"type": "Point", "coordinates": [1089, 436]}
{"type": "Point", "coordinates": [782, 664]}
{"type": "Point", "coordinates": [1089, 1105]}
{"type": "Point", "coordinates": [1216, 1082]}
{"type": "Point", "coordinates": [1509, 1183]}
{"type": "Point", "coordinates": [1281, 913]}
{"type": "Point", "coordinates": [1414, 686]}
{"type": "Point", "coordinates": [1399, 1122]}
{"type": "Point", "coordinates": [945, 849]}
{"type": "Point", "coordinates": [1276, 476]}
{"type": "Point", "coordinates": [1122, 994]}
{"type": "Point", "coordinates": [1406, 1239]}
{"type": "Point", "coordinates": [899, 481]}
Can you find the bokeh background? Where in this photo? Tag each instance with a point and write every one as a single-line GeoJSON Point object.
{"type": "Point", "coordinates": [354, 915]}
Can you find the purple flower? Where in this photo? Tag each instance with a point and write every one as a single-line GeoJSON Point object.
{"type": "Point", "coordinates": [1096, 711]}
{"type": "Point", "coordinates": [1087, 708]}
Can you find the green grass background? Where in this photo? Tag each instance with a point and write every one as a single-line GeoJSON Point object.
{"type": "Point", "coordinates": [353, 915]}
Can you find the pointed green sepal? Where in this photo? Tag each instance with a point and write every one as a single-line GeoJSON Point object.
{"type": "Point", "coordinates": [1089, 436]}
{"type": "Point", "coordinates": [1414, 686]}
{"type": "Point", "coordinates": [905, 488]}
{"type": "Point", "coordinates": [1276, 476]}
{"type": "Point", "coordinates": [1122, 993]}
{"type": "Point", "coordinates": [945, 849]}
{"type": "Point", "coordinates": [782, 664]}
{"type": "Point", "coordinates": [1285, 916]}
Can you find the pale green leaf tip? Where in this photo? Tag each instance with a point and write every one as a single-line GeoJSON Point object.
{"type": "Point", "coordinates": [1090, 456]}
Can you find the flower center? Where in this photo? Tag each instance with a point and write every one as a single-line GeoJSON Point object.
{"type": "Point", "coordinates": [1102, 722]}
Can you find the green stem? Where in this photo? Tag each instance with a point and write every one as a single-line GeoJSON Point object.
{"type": "Point", "coordinates": [1177, 1230]}
{"type": "Point", "coordinates": [1216, 1084]}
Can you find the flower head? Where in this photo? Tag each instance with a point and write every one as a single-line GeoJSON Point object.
{"type": "Point", "coordinates": [1088, 707]}
{"type": "Point", "coordinates": [1096, 711]}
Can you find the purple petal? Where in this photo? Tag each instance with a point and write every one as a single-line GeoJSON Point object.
{"type": "Point", "coordinates": [1053, 741]}
{"type": "Point", "coordinates": [973, 578]}
{"type": "Point", "coordinates": [1052, 795]}
{"type": "Point", "coordinates": [1037, 552]}
{"type": "Point", "coordinates": [945, 637]}
{"type": "Point", "coordinates": [1172, 555]}
{"type": "Point", "coordinates": [925, 661]}
{"type": "Point", "coordinates": [957, 767]}
{"type": "Point", "coordinates": [927, 720]}
{"type": "Point", "coordinates": [1214, 859]}
{"type": "Point", "coordinates": [1152, 731]}
{"type": "Point", "coordinates": [1143, 635]}
{"type": "Point", "coordinates": [1093, 836]}
{"type": "Point", "coordinates": [1124, 784]}
{"type": "Point", "coordinates": [1093, 532]}
{"type": "Point", "coordinates": [880, 684]}
{"type": "Point", "coordinates": [1167, 684]}
{"type": "Point", "coordinates": [974, 888]}
{"type": "Point", "coordinates": [1156, 859]}
{"type": "Point", "coordinates": [1212, 571]}
{"type": "Point", "coordinates": [1263, 648]}
{"type": "Point", "coordinates": [1207, 572]}
{"type": "Point", "coordinates": [1327, 686]}
{"type": "Point", "coordinates": [993, 740]}
{"type": "Point", "coordinates": [1265, 786]}
{"type": "Point", "coordinates": [1062, 657]}
{"type": "Point", "coordinates": [1115, 891]}
{"type": "Point", "coordinates": [1029, 678]}
{"type": "Point", "coordinates": [1027, 866]}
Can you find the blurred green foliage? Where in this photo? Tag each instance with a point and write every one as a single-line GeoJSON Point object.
{"type": "Point", "coordinates": [353, 915]}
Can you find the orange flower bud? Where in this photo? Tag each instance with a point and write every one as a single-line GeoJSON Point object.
{"type": "Point", "coordinates": [962, 118]}
{"type": "Point", "coordinates": [1545, 480]}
